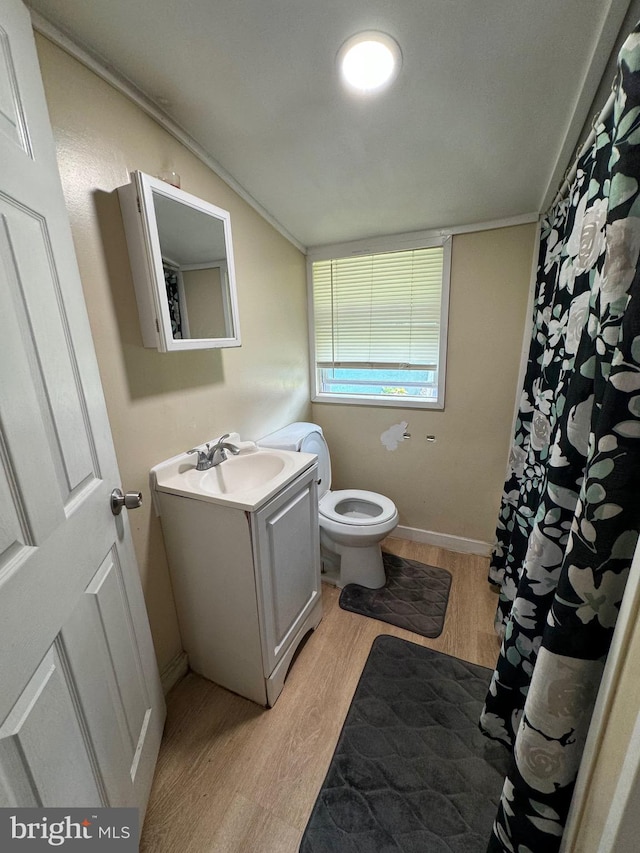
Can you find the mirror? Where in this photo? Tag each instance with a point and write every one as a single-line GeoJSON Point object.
{"type": "Point", "coordinates": [182, 260]}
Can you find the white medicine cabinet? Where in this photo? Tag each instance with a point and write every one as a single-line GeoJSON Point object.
{"type": "Point", "coordinates": [181, 256]}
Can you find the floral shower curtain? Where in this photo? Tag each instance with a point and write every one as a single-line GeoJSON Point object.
{"type": "Point", "coordinates": [173, 298]}
{"type": "Point", "coordinates": [570, 512]}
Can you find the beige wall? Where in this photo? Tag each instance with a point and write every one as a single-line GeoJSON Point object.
{"type": "Point", "coordinates": [452, 486]}
{"type": "Point", "coordinates": [204, 303]}
{"type": "Point", "coordinates": [162, 404]}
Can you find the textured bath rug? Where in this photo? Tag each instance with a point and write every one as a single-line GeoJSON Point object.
{"type": "Point", "coordinates": [414, 597]}
{"type": "Point", "coordinates": [411, 771]}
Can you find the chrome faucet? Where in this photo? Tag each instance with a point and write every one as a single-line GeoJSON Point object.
{"type": "Point", "coordinates": [207, 458]}
{"type": "Point", "coordinates": [221, 447]}
{"type": "Point", "coordinates": [204, 458]}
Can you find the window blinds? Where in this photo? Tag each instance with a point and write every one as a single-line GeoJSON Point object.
{"type": "Point", "coordinates": [379, 310]}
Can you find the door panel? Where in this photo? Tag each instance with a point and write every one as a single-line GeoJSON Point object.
{"type": "Point", "coordinates": [288, 570]}
{"type": "Point", "coordinates": [107, 668]}
{"type": "Point", "coordinates": [30, 469]}
{"type": "Point", "coordinates": [111, 613]}
{"type": "Point", "coordinates": [43, 752]}
{"type": "Point", "coordinates": [288, 553]}
{"type": "Point", "coordinates": [12, 123]}
{"type": "Point", "coordinates": [28, 260]}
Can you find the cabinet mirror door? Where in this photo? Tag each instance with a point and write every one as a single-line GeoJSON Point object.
{"type": "Point", "coordinates": [189, 288]}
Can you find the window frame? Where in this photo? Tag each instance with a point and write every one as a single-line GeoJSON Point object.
{"type": "Point", "coordinates": [379, 245]}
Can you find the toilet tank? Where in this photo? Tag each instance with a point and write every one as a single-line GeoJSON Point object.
{"type": "Point", "coordinates": [308, 438]}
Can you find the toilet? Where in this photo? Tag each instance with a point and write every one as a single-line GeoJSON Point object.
{"type": "Point", "coordinates": [353, 522]}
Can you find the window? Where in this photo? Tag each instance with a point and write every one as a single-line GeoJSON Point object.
{"type": "Point", "coordinates": [379, 326]}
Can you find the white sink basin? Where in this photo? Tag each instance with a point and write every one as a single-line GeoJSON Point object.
{"type": "Point", "coordinates": [240, 473]}
{"type": "Point", "coordinates": [245, 481]}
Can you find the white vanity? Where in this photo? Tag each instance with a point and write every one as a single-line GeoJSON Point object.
{"type": "Point", "coordinates": [244, 556]}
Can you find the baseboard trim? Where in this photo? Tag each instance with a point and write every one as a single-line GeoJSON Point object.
{"type": "Point", "coordinates": [444, 540]}
{"type": "Point", "coordinates": [174, 671]}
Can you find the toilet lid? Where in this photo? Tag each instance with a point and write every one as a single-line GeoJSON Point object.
{"type": "Point", "coordinates": [357, 507]}
{"type": "Point", "coordinates": [314, 443]}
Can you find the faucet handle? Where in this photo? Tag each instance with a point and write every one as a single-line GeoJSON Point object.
{"type": "Point", "coordinates": [204, 458]}
{"type": "Point", "coordinates": [201, 453]}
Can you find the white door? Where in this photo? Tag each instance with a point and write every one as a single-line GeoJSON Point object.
{"type": "Point", "coordinates": [81, 709]}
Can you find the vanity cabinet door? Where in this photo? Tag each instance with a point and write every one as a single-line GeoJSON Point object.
{"type": "Point", "coordinates": [287, 555]}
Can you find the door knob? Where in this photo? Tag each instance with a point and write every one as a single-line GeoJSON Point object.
{"type": "Point", "coordinates": [132, 500]}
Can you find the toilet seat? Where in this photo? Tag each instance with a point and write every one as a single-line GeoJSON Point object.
{"type": "Point", "coordinates": [350, 507]}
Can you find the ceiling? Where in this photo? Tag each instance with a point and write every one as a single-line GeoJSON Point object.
{"type": "Point", "coordinates": [480, 124]}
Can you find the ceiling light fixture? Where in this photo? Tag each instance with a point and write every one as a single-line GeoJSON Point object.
{"type": "Point", "coordinates": [369, 61]}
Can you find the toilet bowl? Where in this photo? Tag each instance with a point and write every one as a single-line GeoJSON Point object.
{"type": "Point", "coordinates": [353, 522]}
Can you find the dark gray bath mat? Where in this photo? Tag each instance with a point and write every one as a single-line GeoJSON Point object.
{"type": "Point", "coordinates": [411, 771]}
{"type": "Point", "coordinates": [414, 597]}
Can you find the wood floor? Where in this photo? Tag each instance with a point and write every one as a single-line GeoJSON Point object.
{"type": "Point", "coordinates": [235, 778]}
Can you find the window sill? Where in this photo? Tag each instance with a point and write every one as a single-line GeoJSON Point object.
{"type": "Point", "coordinates": [393, 402]}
